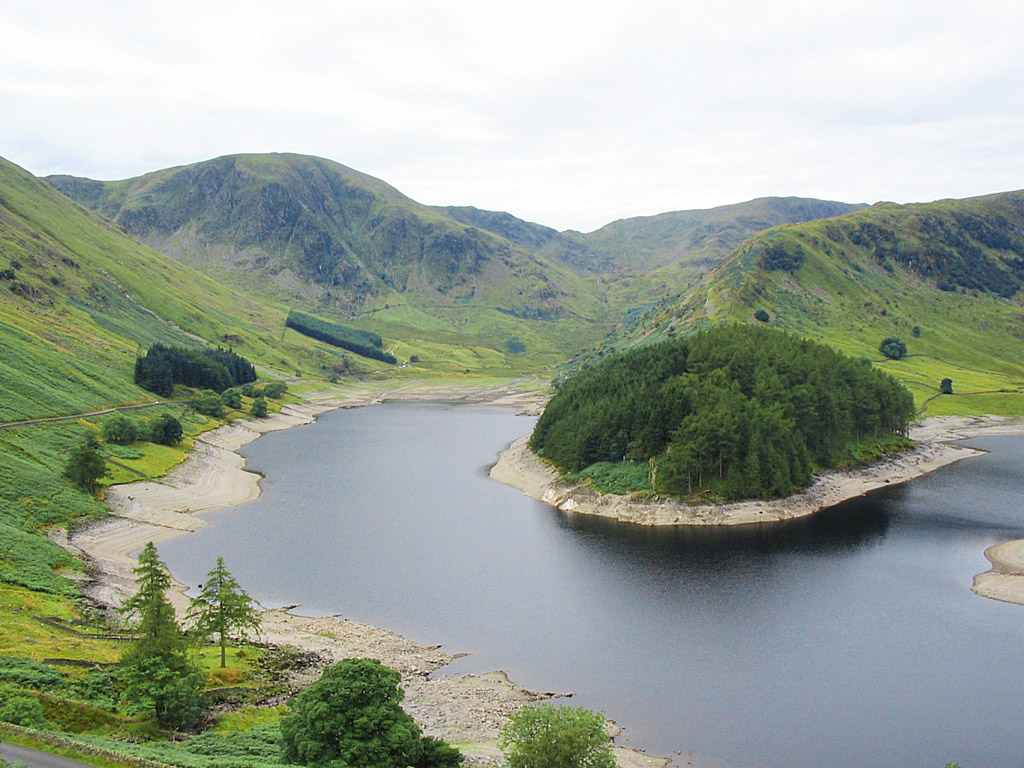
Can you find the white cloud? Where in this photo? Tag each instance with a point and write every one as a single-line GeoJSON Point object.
{"type": "Point", "coordinates": [567, 113]}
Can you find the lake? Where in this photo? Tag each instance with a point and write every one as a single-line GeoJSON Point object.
{"type": "Point", "coordinates": [850, 638]}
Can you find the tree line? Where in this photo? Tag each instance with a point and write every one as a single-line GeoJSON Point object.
{"type": "Point", "coordinates": [215, 368]}
{"type": "Point", "coordinates": [365, 343]}
{"type": "Point", "coordinates": [740, 410]}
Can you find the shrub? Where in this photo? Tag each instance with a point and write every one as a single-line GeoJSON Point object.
{"type": "Point", "coordinates": [556, 737]}
{"type": "Point", "coordinates": [762, 316]}
{"type": "Point", "coordinates": [232, 398]}
{"type": "Point", "coordinates": [165, 429]}
{"type": "Point", "coordinates": [209, 404]}
{"type": "Point", "coordinates": [893, 348]}
{"type": "Point", "coordinates": [259, 408]}
{"type": "Point", "coordinates": [25, 711]}
{"type": "Point", "coordinates": [275, 389]}
{"type": "Point", "coordinates": [120, 429]}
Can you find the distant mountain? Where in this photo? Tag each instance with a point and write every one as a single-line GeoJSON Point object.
{"type": "Point", "coordinates": [311, 229]}
{"type": "Point", "coordinates": [944, 277]}
{"type": "Point", "coordinates": [698, 238]}
{"type": "Point", "coordinates": [701, 238]}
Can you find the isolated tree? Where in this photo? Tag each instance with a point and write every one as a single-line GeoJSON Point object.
{"type": "Point", "coordinates": [232, 398]}
{"type": "Point", "coordinates": [352, 717]}
{"type": "Point", "coordinates": [222, 610]}
{"type": "Point", "coordinates": [893, 348]}
{"type": "Point", "coordinates": [120, 429]}
{"type": "Point", "coordinates": [259, 408]}
{"type": "Point", "coordinates": [209, 404]}
{"type": "Point", "coordinates": [946, 386]}
{"type": "Point", "coordinates": [165, 429]}
{"type": "Point", "coordinates": [556, 737]}
{"type": "Point", "coordinates": [275, 389]}
{"type": "Point", "coordinates": [156, 670]}
{"type": "Point", "coordinates": [85, 465]}
{"type": "Point", "coordinates": [762, 316]}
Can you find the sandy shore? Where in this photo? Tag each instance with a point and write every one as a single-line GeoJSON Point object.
{"type": "Point", "coordinates": [522, 469]}
{"type": "Point", "coordinates": [467, 710]}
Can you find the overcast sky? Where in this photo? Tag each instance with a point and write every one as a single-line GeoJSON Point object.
{"type": "Point", "coordinates": [571, 114]}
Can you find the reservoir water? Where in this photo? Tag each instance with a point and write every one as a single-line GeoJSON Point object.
{"type": "Point", "coordinates": [847, 639]}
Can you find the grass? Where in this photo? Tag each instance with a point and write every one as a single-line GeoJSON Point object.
{"type": "Point", "coordinates": [620, 477]}
{"type": "Point", "coordinates": [21, 635]}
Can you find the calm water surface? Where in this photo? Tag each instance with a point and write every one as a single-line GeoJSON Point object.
{"type": "Point", "coordinates": [850, 639]}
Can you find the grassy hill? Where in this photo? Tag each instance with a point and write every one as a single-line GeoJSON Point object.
{"type": "Point", "coordinates": [79, 299]}
{"type": "Point", "coordinates": [944, 277]}
{"type": "Point", "coordinates": [338, 242]}
{"type": "Point", "coordinates": [701, 238]}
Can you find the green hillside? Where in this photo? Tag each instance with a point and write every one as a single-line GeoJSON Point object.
{"type": "Point", "coordinates": [701, 238]}
{"type": "Point", "coordinates": [79, 299]}
{"type": "Point", "coordinates": [335, 241]}
{"type": "Point", "coordinates": [952, 270]}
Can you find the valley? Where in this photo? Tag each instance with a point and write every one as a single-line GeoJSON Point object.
{"type": "Point", "coordinates": [457, 305]}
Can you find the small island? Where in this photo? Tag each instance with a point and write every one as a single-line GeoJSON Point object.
{"type": "Point", "coordinates": [733, 412]}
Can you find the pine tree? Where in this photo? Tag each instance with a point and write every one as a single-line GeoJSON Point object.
{"type": "Point", "coordinates": [222, 609]}
{"type": "Point", "coordinates": [156, 670]}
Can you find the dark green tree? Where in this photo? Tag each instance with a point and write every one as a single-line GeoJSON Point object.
{"type": "Point", "coordinates": [556, 737]}
{"type": "Point", "coordinates": [232, 398]}
{"type": "Point", "coordinates": [85, 466]}
{"type": "Point", "coordinates": [223, 610]}
{"type": "Point", "coordinates": [275, 389]}
{"type": "Point", "coordinates": [121, 429]}
{"type": "Point", "coordinates": [946, 386]}
{"type": "Point", "coordinates": [352, 717]}
{"type": "Point", "coordinates": [209, 404]}
{"type": "Point", "coordinates": [165, 429]}
{"type": "Point", "coordinates": [893, 348]}
{"type": "Point", "coordinates": [259, 408]}
{"type": "Point", "coordinates": [156, 671]}
{"type": "Point", "coordinates": [762, 316]}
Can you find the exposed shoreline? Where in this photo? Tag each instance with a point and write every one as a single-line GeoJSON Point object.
{"type": "Point", "coordinates": [468, 710]}
{"type": "Point", "coordinates": [520, 468]}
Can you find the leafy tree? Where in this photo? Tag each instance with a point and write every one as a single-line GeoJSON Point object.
{"type": "Point", "coordinates": [556, 737]}
{"type": "Point", "coordinates": [156, 670]}
{"type": "Point", "coordinates": [259, 408]}
{"type": "Point", "coordinates": [222, 609]}
{"type": "Point", "coordinates": [352, 717]}
{"type": "Point", "coordinates": [232, 398]}
{"type": "Point", "coordinates": [121, 429]}
{"type": "Point", "coordinates": [946, 386]}
{"type": "Point", "coordinates": [893, 348]}
{"type": "Point", "coordinates": [85, 465]}
{"type": "Point", "coordinates": [165, 429]}
{"type": "Point", "coordinates": [209, 404]}
{"type": "Point", "coordinates": [916, 331]}
{"type": "Point", "coordinates": [251, 390]}
{"type": "Point", "coordinates": [275, 389]}
{"type": "Point", "coordinates": [762, 316]}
